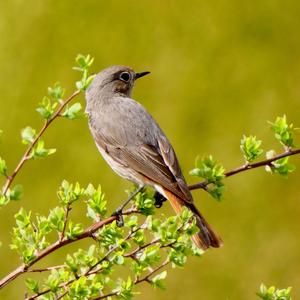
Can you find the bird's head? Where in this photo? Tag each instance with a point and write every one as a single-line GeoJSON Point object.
{"type": "Point", "coordinates": [114, 80]}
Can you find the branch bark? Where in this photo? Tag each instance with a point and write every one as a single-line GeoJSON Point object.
{"type": "Point", "coordinates": [26, 155]}
{"type": "Point", "coordinates": [246, 167]}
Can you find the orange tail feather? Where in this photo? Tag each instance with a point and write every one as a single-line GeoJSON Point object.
{"type": "Point", "coordinates": [206, 237]}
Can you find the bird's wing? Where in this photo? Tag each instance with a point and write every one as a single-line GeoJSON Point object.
{"type": "Point", "coordinates": [157, 162]}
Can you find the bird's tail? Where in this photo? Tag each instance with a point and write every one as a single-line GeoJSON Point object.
{"type": "Point", "coordinates": [206, 237]}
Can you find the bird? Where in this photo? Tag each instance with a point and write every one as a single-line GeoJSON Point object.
{"type": "Point", "coordinates": [135, 147]}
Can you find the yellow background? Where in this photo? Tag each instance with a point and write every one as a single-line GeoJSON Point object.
{"type": "Point", "coordinates": [220, 69]}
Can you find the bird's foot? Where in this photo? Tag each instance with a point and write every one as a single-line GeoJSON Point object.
{"type": "Point", "coordinates": [119, 216]}
{"type": "Point", "coordinates": [159, 200]}
{"type": "Point", "coordinates": [119, 211]}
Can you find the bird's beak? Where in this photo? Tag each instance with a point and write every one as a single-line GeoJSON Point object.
{"type": "Point", "coordinates": [141, 74]}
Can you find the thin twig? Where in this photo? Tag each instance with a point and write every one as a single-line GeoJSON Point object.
{"type": "Point", "coordinates": [26, 155]}
{"type": "Point", "coordinates": [246, 167]}
{"type": "Point", "coordinates": [45, 269]}
{"type": "Point", "coordinates": [67, 210]}
{"type": "Point", "coordinates": [106, 296]}
{"type": "Point", "coordinates": [147, 277]}
{"type": "Point", "coordinates": [137, 250]}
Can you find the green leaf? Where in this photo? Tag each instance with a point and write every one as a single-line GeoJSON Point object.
{"type": "Point", "coordinates": [56, 92]}
{"type": "Point", "coordinates": [283, 131]}
{"type": "Point", "coordinates": [157, 281]}
{"type": "Point", "coordinates": [79, 289]}
{"type": "Point", "coordinates": [15, 193]}
{"type": "Point", "coordinates": [39, 151]}
{"type": "Point", "coordinates": [56, 218]}
{"type": "Point", "coordinates": [72, 264]}
{"type": "Point", "coordinates": [280, 166]}
{"type": "Point", "coordinates": [83, 65]}
{"type": "Point", "coordinates": [56, 278]}
{"type": "Point", "coordinates": [69, 193]}
{"type": "Point", "coordinates": [32, 285]}
{"type": "Point", "coordinates": [83, 62]}
{"type": "Point", "coordinates": [125, 290]}
{"type": "Point", "coordinates": [73, 112]}
{"type": "Point", "coordinates": [213, 174]}
{"type": "Point", "coordinates": [4, 200]}
{"type": "Point", "coordinates": [272, 293]}
{"type": "Point", "coordinates": [145, 203]}
{"type": "Point", "coordinates": [250, 147]}
{"type": "Point", "coordinates": [139, 237]}
{"type": "Point", "coordinates": [46, 108]}
{"type": "Point", "coordinates": [96, 204]}
{"type": "Point", "coordinates": [3, 167]}
{"type": "Point", "coordinates": [74, 230]}
{"type": "Point", "coordinates": [208, 169]}
{"type": "Point", "coordinates": [28, 135]}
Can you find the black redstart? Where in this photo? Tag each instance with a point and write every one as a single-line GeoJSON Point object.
{"type": "Point", "coordinates": [134, 145]}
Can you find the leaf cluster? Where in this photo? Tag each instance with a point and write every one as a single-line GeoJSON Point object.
{"type": "Point", "coordinates": [213, 174]}
{"type": "Point", "coordinates": [272, 293]}
{"type": "Point", "coordinates": [142, 245]}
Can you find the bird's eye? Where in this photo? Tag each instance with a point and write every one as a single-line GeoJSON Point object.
{"type": "Point", "coordinates": [125, 76]}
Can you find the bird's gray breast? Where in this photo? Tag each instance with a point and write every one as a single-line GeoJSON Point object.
{"type": "Point", "coordinates": [125, 122]}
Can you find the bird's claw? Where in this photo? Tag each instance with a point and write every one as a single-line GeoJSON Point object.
{"type": "Point", "coordinates": [119, 217]}
{"type": "Point", "coordinates": [159, 200]}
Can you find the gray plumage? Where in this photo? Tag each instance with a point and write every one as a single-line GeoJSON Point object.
{"type": "Point", "coordinates": [134, 145]}
{"type": "Point", "coordinates": [123, 129]}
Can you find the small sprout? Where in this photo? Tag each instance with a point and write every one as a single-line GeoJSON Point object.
{"type": "Point", "coordinates": [3, 167]}
{"type": "Point", "coordinates": [39, 151]}
{"type": "Point", "coordinates": [272, 293]}
{"type": "Point", "coordinates": [157, 281]}
{"type": "Point", "coordinates": [15, 193]}
{"type": "Point", "coordinates": [69, 193]}
{"type": "Point", "coordinates": [46, 108]}
{"type": "Point", "coordinates": [83, 65]}
{"type": "Point", "coordinates": [32, 285]}
{"type": "Point", "coordinates": [56, 218]}
{"type": "Point", "coordinates": [212, 173]}
{"type": "Point", "coordinates": [56, 92]}
{"type": "Point", "coordinates": [145, 203]}
{"type": "Point", "coordinates": [83, 62]}
{"type": "Point", "coordinates": [125, 289]}
{"type": "Point", "coordinates": [96, 205]}
{"type": "Point", "coordinates": [73, 112]}
{"type": "Point", "coordinates": [280, 166]}
{"type": "Point", "coordinates": [79, 289]}
{"type": "Point", "coordinates": [28, 135]}
{"type": "Point", "coordinates": [74, 230]}
{"type": "Point", "coordinates": [4, 200]}
{"type": "Point", "coordinates": [250, 147]}
{"type": "Point", "coordinates": [283, 131]}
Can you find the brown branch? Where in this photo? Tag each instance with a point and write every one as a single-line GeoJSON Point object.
{"type": "Point", "coordinates": [67, 210]}
{"type": "Point", "coordinates": [147, 277]}
{"type": "Point", "coordinates": [88, 232]}
{"type": "Point", "coordinates": [26, 155]}
{"type": "Point", "coordinates": [250, 166]}
{"type": "Point", "coordinates": [106, 296]}
{"type": "Point", "coordinates": [45, 269]}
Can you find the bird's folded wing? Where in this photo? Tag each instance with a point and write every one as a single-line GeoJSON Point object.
{"type": "Point", "coordinates": [158, 163]}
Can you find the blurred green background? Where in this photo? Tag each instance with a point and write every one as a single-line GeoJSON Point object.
{"type": "Point", "coordinates": [220, 69]}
